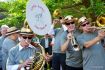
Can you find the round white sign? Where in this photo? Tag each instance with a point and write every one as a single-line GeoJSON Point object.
{"type": "Point", "coordinates": [38, 17]}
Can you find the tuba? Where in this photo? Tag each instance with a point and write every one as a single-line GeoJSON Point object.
{"type": "Point", "coordinates": [38, 61]}
{"type": "Point", "coordinates": [38, 58]}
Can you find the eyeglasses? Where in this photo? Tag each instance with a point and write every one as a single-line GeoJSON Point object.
{"type": "Point", "coordinates": [69, 23]}
{"type": "Point", "coordinates": [85, 24]}
{"type": "Point", "coordinates": [24, 37]}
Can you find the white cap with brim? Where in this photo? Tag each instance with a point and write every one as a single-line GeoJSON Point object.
{"type": "Point", "coordinates": [82, 19]}
{"type": "Point", "coordinates": [26, 31]}
{"type": "Point", "coordinates": [69, 17]}
{"type": "Point", "coordinates": [12, 30]}
{"type": "Point", "coordinates": [4, 26]}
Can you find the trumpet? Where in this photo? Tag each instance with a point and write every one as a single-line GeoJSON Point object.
{"type": "Point", "coordinates": [74, 43]}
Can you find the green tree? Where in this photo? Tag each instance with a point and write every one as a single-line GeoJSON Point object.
{"type": "Point", "coordinates": [15, 10]}
{"type": "Point", "coordinates": [15, 13]}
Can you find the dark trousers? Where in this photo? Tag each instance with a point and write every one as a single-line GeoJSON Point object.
{"type": "Point", "coordinates": [49, 51]}
{"type": "Point", "coordinates": [46, 66]}
{"type": "Point", "coordinates": [0, 68]}
{"type": "Point", "coordinates": [57, 60]}
{"type": "Point", "coordinates": [73, 68]}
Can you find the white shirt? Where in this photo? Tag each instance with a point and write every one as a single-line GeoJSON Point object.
{"type": "Point", "coordinates": [20, 47]}
{"type": "Point", "coordinates": [51, 31]}
{"type": "Point", "coordinates": [46, 42]}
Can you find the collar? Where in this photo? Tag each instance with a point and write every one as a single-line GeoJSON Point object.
{"type": "Point", "coordinates": [72, 31]}
{"type": "Point", "coordinates": [20, 47]}
{"type": "Point", "coordinates": [64, 27]}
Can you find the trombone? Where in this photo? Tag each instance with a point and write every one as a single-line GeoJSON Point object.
{"type": "Point", "coordinates": [100, 21]}
{"type": "Point", "coordinates": [97, 27]}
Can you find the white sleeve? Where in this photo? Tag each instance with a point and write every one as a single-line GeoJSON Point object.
{"type": "Point", "coordinates": [12, 67]}
{"type": "Point", "coordinates": [51, 31]}
{"type": "Point", "coordinates": [53, 39]}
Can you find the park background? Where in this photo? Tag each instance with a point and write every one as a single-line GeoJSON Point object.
{"type": "Point", "coordinates": [13, 12]}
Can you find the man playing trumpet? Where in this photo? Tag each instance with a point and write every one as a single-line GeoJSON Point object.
{"type": "Point", "coordinates": [73, 54]}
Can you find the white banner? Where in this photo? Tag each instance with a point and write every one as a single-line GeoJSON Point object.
{"type": "Point", "coordinates": [38, 17]}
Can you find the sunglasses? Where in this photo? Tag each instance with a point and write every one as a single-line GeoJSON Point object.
{"type": "Point", "coordinates": [24, 37]}
{"type": "Point", "coordinates": [69, 23]}
{"type": "Point", "coordinates": [85, 24]}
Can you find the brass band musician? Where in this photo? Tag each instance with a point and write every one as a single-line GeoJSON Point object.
{"type": "Point", "coordinates": [90, 43]}
{"type": "Point", "coordinates": [70, 45]}
{"type": "Point", "coordinates": [19, 56]}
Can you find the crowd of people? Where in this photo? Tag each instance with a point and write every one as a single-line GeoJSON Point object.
{"type": "Point", "coordinates": [72, 46]}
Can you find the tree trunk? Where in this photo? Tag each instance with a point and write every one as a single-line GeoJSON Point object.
{"type": "Point", "coordinates": [86, 3]}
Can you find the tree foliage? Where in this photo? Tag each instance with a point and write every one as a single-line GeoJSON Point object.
{"type": "Point", "coordinates": [15, 13]}
{"type": "Point", "coordinates": [15, 10]}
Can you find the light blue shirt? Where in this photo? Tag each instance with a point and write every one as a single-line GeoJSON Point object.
{"type": "Point", "coordinates": [6, 46]}
{"type": "Point", "coordinates": [94, 56]}
{"type": "Point", "coordinates": [57, 42]}
{"type": "Point", "coordinates": [18, 55]}
{"type": "Point", "coordinates": [1, 42]}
